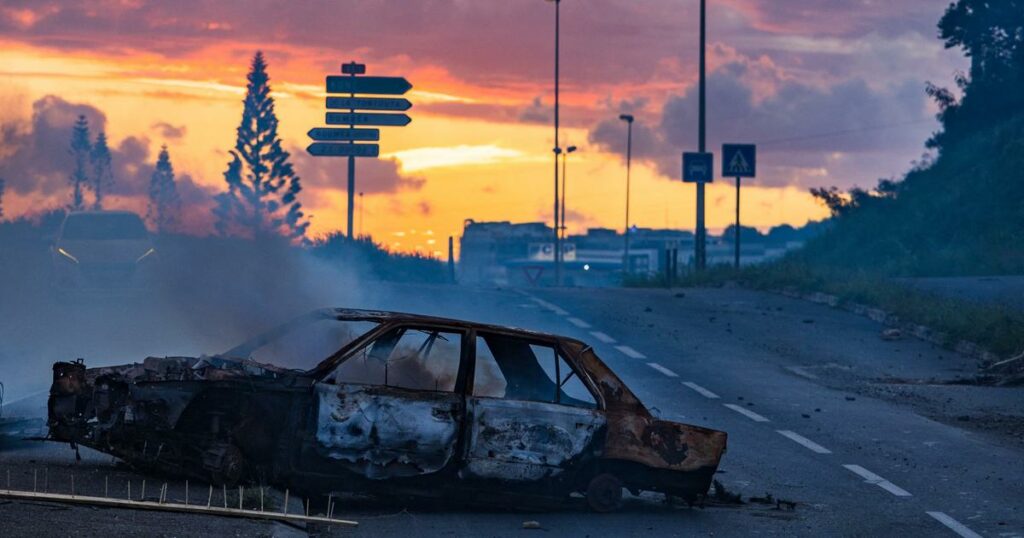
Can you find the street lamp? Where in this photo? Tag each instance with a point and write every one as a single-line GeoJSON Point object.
{"type": "Point", "coordinates": [557, 150]}
{"type": "Point", "coordinates": [628, 118]}
{"type": "Point", "coordinates": [565, 180]}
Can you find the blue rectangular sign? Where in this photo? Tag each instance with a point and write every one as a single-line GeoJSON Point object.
{"type": "Point", "coordinates": [698, 167]}
{"type": "Point", "coordinates": [739, 160]}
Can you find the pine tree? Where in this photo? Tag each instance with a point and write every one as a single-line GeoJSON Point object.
{"type": "Point", "coordinates": [80, 148]}
{"type": "Point", "coordinates": [102, 174]}
{"type": "Point", "coordinates": [262, 186]}
{"type": "Point", "coordinates": [164, 201]}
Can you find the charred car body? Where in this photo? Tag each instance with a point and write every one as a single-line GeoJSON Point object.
{"type": "Point", "coordinates": [402, 404]}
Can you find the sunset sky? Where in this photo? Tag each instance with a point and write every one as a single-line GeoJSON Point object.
{"type": "Point", "coordinates": [832, 91]}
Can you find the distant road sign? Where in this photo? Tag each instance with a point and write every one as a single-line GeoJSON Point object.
{"type": "Point", "coordinates": [698, 167]}
{"type": "Point", "coordinates": [327, 149]}
{"type": "Point", "coordinates": [376, 85]}
{"type": "Point", "coordinates": [329, 134]}
{"type": "Point", "coordinates": [369, 118]}
{"type": "Point", "coordinates": [739, 160]}
{"type": "Point", "coordinates": [369, 103]}
{"type": "Point", "coordinates": [353, 68]}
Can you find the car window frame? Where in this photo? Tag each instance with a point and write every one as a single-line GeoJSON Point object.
{"type": "Point", "coordinates": [329, 365]}
{"type": "Point", "coordinates": [560, 350]}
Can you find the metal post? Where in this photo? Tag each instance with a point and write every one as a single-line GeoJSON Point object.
{"type": "Point", "coordinates": [451, 259]}
{"type": "Point", "coordinates": [561, 220]}
{"type": "Point", "coordinates": [737, 222]}
{"type": "Point", "coordinates": [361, 206]}
{"type": "Point", "coordinates": [558, 246]}
{"type": "Point", "coordinates": [629, 163]}
{"type": "Point", "coordinates": [700, 240]}
{"type": "Point", "coordinates": [351, 161]}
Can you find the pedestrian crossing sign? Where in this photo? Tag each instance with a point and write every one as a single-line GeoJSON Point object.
{"type": "Point", "coordinates": [739, 160]}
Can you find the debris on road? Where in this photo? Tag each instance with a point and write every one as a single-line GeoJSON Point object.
{"type": "Point", "coordinates": [724, 496]}
{"type": "Point", "coordinates": [892, 334]}
{"type": "Point", "coordinates": [531, 525]}
{"type": "Point", "coordinates": [400, 401]}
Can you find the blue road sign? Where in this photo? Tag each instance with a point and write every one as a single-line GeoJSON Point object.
{"type": "Point", "coordinates": [336, 134]}
{"type": "Point", "coordinates": [368, 103]}
{"type": "Point", "coordinates": [368, 118]}
{"type": "Point", "coordinates": [327, 149]}
{"type": "Point", "coordinates": [375, 85]}
{"type": "Point", "coordinates": [698, 167]}
{"type": "Point", "coordinates": [739, 160]}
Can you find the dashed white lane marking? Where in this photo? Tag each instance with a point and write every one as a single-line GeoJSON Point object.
{"type": "Point", "coordinates": [630, 352]}
{"type": "Point", "coordinates": [662, 369]}
{"type": "Point", "coordinates": [872, 478]}
{"type": "Point", "coordinates": [800, 371]}
{"type": "Point", "coordinates": [579, 323]}
{"type": "Point", "coordinates": [554, 308]}
{"type": "Point", "coordinates": [747, 413]}
{"type": "Point", "coordinates": [800, 439]}
{"type": "Point", "coordinates": [603, 337]}
{"type": "Point", "coordinates": [701, 390]}
{"type": "Point", "coordinates": [954, 525]}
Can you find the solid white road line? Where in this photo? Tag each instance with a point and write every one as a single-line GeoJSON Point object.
{"type": "Point", "coordinates": [549, 306]}
{"type": "Point", "coordinates": [800, 439]}
{"type": "Point", "coordinates": [579, 323]}
{"type": "Point", "coordinates": [954, 525]}
{"type": "Point", "coordinates": [872, 478]}
{"type": "Point", "coordinates": [630, 352]}
{"type": "Point", "coordinates": [662, 369]}
{"type": "Point", "coordinates": [747, 413]}
{"type": "Point", "coordinates": [603, 337]}
{"type": "Point", "coordinates": [701, 390]}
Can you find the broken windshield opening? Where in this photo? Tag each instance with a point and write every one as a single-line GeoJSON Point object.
{"type": "Point", "coordinates": [303, 343]}
{"type": "Point", "coordinates": [407, 358]}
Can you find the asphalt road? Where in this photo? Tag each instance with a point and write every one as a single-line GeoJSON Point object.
{"type": "Point", "coordinates": [861, 433]}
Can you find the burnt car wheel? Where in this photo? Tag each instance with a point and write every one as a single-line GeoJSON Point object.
{"type": "Point", "coordinates": [604, 493]}
{"type": "Point", "coordinates": [232, 467]}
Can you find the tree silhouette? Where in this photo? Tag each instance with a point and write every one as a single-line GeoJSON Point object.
{"type": "Point", "coordinates": [3, 186]}
{"type": "Point", "coordinates": [80, 148]}
{"type": "Point", "coordinates": [102, 174]}
{"type": "Point", "coordinates": [164, 201]}
{"type": "Point", "coordinates": [262, 186]}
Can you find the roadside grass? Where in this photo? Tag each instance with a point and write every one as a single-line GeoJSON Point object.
{"type": "Point", "coordinates": [997, 328]}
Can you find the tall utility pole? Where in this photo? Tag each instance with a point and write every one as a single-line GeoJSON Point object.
{"type": "Point", "coordinates": [557, 150]}
{"type": "Point", "coordinates": [700, 254]}
{"type": "Point", "coordinates": [628, 118]}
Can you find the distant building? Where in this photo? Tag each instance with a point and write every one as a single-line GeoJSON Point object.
{"type": "Point", "coordinates": [522, 254]}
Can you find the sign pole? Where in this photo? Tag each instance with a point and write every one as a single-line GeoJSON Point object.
{"type": "Point", "coordinates": [351, 164]}
{"type": "Point", "coordinates": [700, 243]}
{"type": "Point", "coordinates": [737, 222]}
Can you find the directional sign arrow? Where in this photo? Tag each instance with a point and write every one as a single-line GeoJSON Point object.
{"type": "Point", "coordinates": [335, 134]}
{"type": "Point", "coordinates": [376, 85]}
{"type": "Point", "coordinates": [369, 103]}
{"type": "Point", "coordinates": [327, 149]}
{"type": "Point", "coordinates": [388, 120]}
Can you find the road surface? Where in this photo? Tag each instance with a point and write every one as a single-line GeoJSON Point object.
{"type": "Point", "coordinates": [859, 432]}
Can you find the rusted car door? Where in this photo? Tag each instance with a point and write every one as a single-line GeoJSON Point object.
{"type": "Point", "coordinates": [395, 407]}
{"type": "Point", "coordinates": [530, 415]}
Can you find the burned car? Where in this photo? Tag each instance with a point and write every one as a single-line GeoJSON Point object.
{"type": "Point", "coordinates": [399, 404]}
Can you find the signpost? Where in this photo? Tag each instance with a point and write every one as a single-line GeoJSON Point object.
{"type": "Point", "coordinates": [739, 161]}
{"type": "Point", "coordinates": [698, 167]}
{"type": "Point", "coordinates": [367, 118]}
{"type": "Point", "coordinates": [341, 142]}
{"type": "Point", "coordinates": [328, 134]}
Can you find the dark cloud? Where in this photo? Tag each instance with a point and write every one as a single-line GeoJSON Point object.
{"type": "Point", "coordinates": [536, 112]}
{"type": "Point", "coordinates": [169, 132]}
{"type": "Point", "coordinates": [801, 125]}
{"type": "Point", "coordinates": [373, 176]}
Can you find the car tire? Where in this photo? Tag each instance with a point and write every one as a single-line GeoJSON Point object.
{"type": "Point", "coordinates": [232, 467]}
{"type": "Point", "coordinates": [604, 493]}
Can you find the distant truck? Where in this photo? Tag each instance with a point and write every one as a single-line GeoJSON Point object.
{"type": "Point", "coordinates": [102, 253]}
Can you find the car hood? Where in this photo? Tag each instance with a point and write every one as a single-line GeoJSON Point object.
{"type": "Point", "coordinates": [204, 368]}
{"type": "Point", "coordinates": [106, 251]}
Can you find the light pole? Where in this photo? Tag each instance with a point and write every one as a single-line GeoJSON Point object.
{"type": "Point", "coordinates": [628, 118]}
{"type": "Point", "coordinates": [700, 241]}
{"type": "Point", "coordinates": [360, 214]}
{"type": "Point", "coordinates": [565, 181]}
{"type": "Point", "coordinates": [557, 150]}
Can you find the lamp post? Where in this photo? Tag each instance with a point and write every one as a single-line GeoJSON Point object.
{"type": "Point", "coordinates": [565, 181]}
{"type": "Point", "coordinates": [628, 118]}
{"type": "Point", "coordinates": [557, 150]}
{"type": "Point", "coordinates": [700, 241]}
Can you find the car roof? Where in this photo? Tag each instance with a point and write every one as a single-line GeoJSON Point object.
{"type": "Point", "coordinates": [404, 317]}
